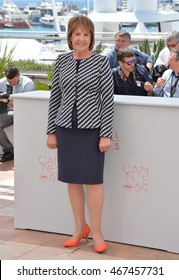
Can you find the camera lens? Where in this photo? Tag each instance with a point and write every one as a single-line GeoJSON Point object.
{"type": "Point", "coordinates": [9, 89]}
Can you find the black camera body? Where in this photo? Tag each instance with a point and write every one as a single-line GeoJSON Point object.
{"type": "Point", "coordinates": [3, 106]}
{"type": "Point", "coordinates": [3, 95]}
{"type": "Point", "coordinates": [8, 92]}
{"type": "Point", "coordinates": [158, 71]}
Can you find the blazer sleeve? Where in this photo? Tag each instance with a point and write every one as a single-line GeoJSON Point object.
{"type": "Point", "coordinates": [143, 56]}
{"type": "Point", "coordinates": [107, 99]}
{"type": "Point", "coordinates": [55, 98]}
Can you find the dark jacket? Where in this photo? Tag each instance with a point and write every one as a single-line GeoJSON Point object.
{"type": "Point", "coordinates": [142, 58]}
{"type": "Point", "coordinates": [134, 85]}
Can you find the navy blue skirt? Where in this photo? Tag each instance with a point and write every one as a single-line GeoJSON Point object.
{"type": "Point", "coordinates": [79, 158]}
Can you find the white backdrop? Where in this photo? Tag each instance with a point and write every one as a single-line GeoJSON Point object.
{"type": "Point", "coordinates": [141, 172]}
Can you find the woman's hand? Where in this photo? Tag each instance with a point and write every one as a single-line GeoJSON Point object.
{"type": "Point", "coordinates": [104, 144]}
{"type": "Point", "coordinates": [52, 141]}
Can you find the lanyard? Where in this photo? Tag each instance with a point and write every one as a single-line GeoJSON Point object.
{"type": "Point", "coordinates": [130, 80]}
{"type": "Point", "coordinates": [174, 86]}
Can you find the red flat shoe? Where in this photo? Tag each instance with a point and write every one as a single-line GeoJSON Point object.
{"type": "Point", "coordinates": [74, 243]}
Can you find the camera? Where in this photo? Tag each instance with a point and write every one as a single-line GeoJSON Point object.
{"type": "Point", "coordinates": [3, 95]}
{"type": "Point", "coordinates": [8, 92]}
{"type": "Point", "coordinates": [3, 106]}
{"type": "Point", "coordinates": [158, 71]}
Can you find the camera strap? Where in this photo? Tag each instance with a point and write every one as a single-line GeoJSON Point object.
{"type": "Point", "coordinates": [174, 86]}
{"type": "Point", "coordinates": [161, 93]}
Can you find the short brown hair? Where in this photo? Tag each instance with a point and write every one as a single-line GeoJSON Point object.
{"type": "Point", "coordinates": [124, 52]}
{"type": "Point", "coordinates": [84, 22]}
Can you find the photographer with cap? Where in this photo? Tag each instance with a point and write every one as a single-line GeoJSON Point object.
{"type": "Point", "coordinates": [13, 82]}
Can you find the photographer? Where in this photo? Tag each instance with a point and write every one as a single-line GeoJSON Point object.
{"type": "Point", "coordinates": [129, 77]}
{"type": "Point", "coordinates": [13, 82]}
{"type": "Point", "coordinates": [162, 62]}
{"type": "Point", "coordinates": [168, 84]}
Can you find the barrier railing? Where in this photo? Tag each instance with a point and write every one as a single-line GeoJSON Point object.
{"type": "Point", "coordinates": [99, 36]}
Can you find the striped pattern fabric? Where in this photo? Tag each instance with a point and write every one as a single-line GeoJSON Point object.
{"type": "Point", "coordinates": [91, 88]}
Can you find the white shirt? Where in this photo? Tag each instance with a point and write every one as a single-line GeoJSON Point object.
{"type": "Point", "coordinates": [25, 84]}
{"type": "Point", "coordinates": [163, 57]}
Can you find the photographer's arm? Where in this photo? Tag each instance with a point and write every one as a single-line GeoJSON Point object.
{"type": "Point", "coordinates": [10, 103]}
{"type": "Point", "coordinates": [5, 100]}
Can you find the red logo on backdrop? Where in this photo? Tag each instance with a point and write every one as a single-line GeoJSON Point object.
{"type": "Point", "coordinates": [48, 167]}
{"type": "Point", "coordinates": [136, 178]}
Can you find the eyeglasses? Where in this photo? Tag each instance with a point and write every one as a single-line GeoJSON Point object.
{"type": "Point", "coordinates": [129, 62]}
{"type": "Point", "coordinates": [172, 45]}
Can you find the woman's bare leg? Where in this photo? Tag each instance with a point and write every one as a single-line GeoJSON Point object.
{"type": "Point", "coordinates": [95, 203]}
{"type": "Point", "coordinates": [77, 199]}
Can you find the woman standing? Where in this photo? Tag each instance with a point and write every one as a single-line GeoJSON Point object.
{"type": "Point", "coordinates": [80, 125]}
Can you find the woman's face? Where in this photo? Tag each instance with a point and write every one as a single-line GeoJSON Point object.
{"type": "Point", "coordinates": [81, 40]}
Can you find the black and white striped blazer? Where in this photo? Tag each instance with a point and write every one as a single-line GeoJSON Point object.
{"type": "Point", "coordinates": [92, 89]}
